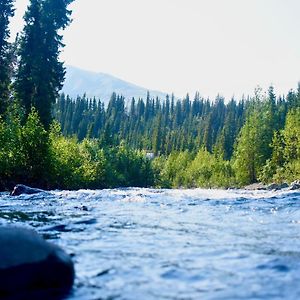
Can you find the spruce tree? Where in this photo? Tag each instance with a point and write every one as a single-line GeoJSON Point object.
{"type": "Point", "coordinates": [6, 12]}
{"type": "Point", "coordinates": [40, 73]}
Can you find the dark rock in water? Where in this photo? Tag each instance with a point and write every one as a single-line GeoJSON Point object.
{"type": "Point", "coordinates": [270, 187]}
{"type": "Point", "coordinates": [83, 207]}
{"type": "Point", "coordinates": [32, 268]}
{"type": "Point", "coordinates": [283, 185]}
{"type": "Point", "coordinates": [24, 189]}
{"type": "Point", "coordinates": [277, 186]}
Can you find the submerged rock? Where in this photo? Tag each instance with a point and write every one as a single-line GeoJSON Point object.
{"type": "Point", "coordinates": [32, 268]}
{"type": "Point", "coordinates": [24, 189]}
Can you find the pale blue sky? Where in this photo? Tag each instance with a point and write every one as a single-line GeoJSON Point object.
{"type": "Point", "coordinates": [211, 46]}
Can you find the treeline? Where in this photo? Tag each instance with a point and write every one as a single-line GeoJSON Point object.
{"type": "Point", "coordinates": [197, 142]}
{"type": "Point", "coordinates": [154, 125]}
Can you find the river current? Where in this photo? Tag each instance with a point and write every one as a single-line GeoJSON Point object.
{"type": "Point", "coordinates": [170, 244]}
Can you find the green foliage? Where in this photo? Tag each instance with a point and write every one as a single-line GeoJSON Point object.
{"type": "Point", "coordinates": [291, 152]}
{"type": "Point", "coordinates": [206, 170]}
{"type": "Point", "coordinates": [285, 162]}
{"type": "Point", "coordinates": [158, 165]}
{"type": "Point", "coordinates": [86, 165]}
{"type": "Point", "coordinates": [11, 156]}
{"type": "Point", "coordinates": [173, 170]}
{"type": "Point", "coordinates": [276, 162]}
{"type": "Point", "coordinates": [94, 165]}
{"type": "Point", "coordinates": [73, 165]}
{"type": "Point", "coordinates": [291, 135]}
{"type": "Point", "coordinates": [127, 167]}
{"type": "Point", "coordinates": [182, 169]}
{"type": "Point", "coordinates": [24, 149]}
{"type": "Point", "coordinates": [253, 146]}
{"type": "Point", "coordinates": [33, 156]}
{"type": "Point", "coordinates": [34, 148]}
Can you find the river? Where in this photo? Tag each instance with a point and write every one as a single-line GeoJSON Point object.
{"type": "Point", "coordinates": [170, 244]}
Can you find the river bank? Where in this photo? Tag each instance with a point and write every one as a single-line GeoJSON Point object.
{"type": "Point", "coordinates": [23, 189]}
{"type": "Point", "coordinates": [273, 186]}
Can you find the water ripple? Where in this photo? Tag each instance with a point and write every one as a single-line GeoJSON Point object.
{"type": "Point", "coordinates": [170, 244]}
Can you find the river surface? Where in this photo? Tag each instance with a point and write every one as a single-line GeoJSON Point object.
{"type": "Point", "coordinates": [170, 244]}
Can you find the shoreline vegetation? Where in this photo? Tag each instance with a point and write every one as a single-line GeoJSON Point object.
{"type": "Point", "coordinates": [51, 141]}
{"type": "Point", "coordinates": [48, 159]}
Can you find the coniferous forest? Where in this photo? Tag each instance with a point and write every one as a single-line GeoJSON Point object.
{"type": "Point", "coordinates": [52, 141]}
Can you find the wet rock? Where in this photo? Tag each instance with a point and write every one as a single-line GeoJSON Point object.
{"type": "Point", "coordinates": [272, 186]}
{"type": "Point", "coordinates": [255, 186]}
{"type": "Point", "coordinates": [277, 186]}
{"type": "Point", "coordinates": [295, 185]}
{"type": "Point", "coordinates": [32, 268]}
{"type": "Point", "coordinates": [24, 189]}
{"type": "Point", "coordinates": [83, 207]}
{"type": "Point", "coordinates": [283, 185]}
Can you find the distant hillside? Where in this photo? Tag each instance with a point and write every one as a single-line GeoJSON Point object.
{"type": "Point", "coordinates": [102, 85]}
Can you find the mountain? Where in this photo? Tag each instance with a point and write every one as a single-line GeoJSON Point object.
{"type": "Point", "coordinates": [102, 85]}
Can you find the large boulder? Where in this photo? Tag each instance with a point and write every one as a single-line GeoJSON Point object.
{"type": "Point", "coordinates": [277, 186]}
{"type": "Point", "coordinates": [24, 189]}
{"type": "Point", "coordinates": [32, 268]}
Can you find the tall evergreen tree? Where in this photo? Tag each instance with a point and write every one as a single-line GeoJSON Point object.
{"type": "Point", "coordinates": [40, 73]}
{"type": "Point", "coordinates": [6, 11]}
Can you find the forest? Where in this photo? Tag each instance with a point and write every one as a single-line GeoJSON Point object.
{"type": "Point", "coordinates": [198, 142]}
{"type": "Point", "coordinates": [51, 141]}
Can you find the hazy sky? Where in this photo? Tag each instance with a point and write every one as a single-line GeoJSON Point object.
{"type": "Point", "coordinates": [211, 46]}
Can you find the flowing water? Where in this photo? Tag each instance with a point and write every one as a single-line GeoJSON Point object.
{"type": "Point", "coordinates": [170, 244]}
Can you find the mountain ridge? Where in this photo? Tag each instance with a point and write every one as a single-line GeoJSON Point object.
{"type": "Point", "coordinates": [101, 85]}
